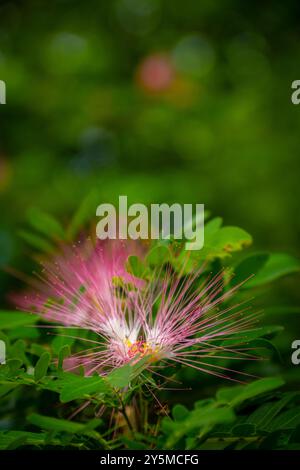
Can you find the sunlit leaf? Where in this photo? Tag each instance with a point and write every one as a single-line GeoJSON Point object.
{"type": "Point", "coordinates": [236, 395]}
{"type": "Point", "coordinates": [82, 387]}
{"type": "Point", "coordinates": [277, 265]}
{"type": "Point", "coordinates": [12, 319]}
{"type": "Point", "coordinates": [42, 365]}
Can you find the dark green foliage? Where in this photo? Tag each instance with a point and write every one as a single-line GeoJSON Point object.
{"type": "Point", "coordinates": [252, 415]}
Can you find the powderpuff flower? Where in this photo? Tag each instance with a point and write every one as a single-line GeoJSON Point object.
{"type": "Point", "coordinates": [170, 318]}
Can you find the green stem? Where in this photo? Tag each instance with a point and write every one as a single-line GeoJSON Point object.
{"type": "Point", "coordinates": [123, 411]}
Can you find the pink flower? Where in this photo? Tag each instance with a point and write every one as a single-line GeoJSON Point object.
{"type": "Point", "coordinates": [170, 321]}
{"type": "Point", "coordinates": [170, 318]}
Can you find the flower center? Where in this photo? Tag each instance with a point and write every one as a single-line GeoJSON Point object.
{"type": "Point", "coordinates": [141, 348]}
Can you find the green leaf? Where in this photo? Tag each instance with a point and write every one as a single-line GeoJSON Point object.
{"type": "Point", "coordinates": [85, 212]}
{"type": "Point", "coordinates": [221, 242]}
{"type": "Point", "coordinates": [295, 437]}
{"type": "Point", "coordinates": [234, 396]}
{"type": "Point", "coordinates": [179, 412]}
{"type": "Point", "coordinates": [13, 439]}
{"type": "Point", "coordinates": [122, 376]}
{"type": "Point", "coordinates": [59, 425]}
{"type": "Point", "coordinates": [12, 319]}
{"type": "Point", "coordinates": [17, 351]}
{"type": "Point", "coordinates": [249, 266]}
{"type": "Point", "coordinates": [268, 331]}
{"type": "Point", "coordinates": [20, 332]}
{"type": "Point", "coordinates": [56, 383]}
{"type": "Point", "coordinates": [282, 310]}
{"type": "Point", "coordinates": [41, 367]}
{"type": "Point", "coordinates": [134, 445]}
{"type": "Point", "coordinates": [244, 430]}
{"type": "Point", "coordinates": [204, 402]}
{"type": "Point", "coordinates": [158, 255]}
{"type": "Point", "coordinates": [289, 419]}
{"type": "Point", "coordinates": [6, 388]}
{"type": "Point", "coordinates": [197, 419]}
{"type": "Point", "coordinates": [14, 365]}
{"type": "Point", "coordinates": [63, 339]}
{"type": "Point", "coordinates": [211, 227]}
{"type": "Point", "coordinates": [56, 425]}
{"type": "Point", "coordinates": [229, 239]}
{"type": "Point", "coordinates": [36, 349]}
{"type": "Point", "coordinates": [136, 267]}
{"type": "Point", "coordinates": [274, 441]}
{"type": "Point", "coordinates": [260, 346]}
{"type": "Point", "coordinates": [36, 241]}
{"type": "Point", "coordinates": [277, 265]}
{"type": "Point", "coordinates": [83, 387]}
{"type": "Point", "coordinates": [64, 352]}
{"type": "Point", "coordinates": [263, 417]}
{"type": "Point", "coordinates": [45, 224]}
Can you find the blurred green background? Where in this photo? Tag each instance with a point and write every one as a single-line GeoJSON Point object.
{"type": "Point", "coordinates": [155, 99]}
{"type": "Point", "coordinates": [162, 101]}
